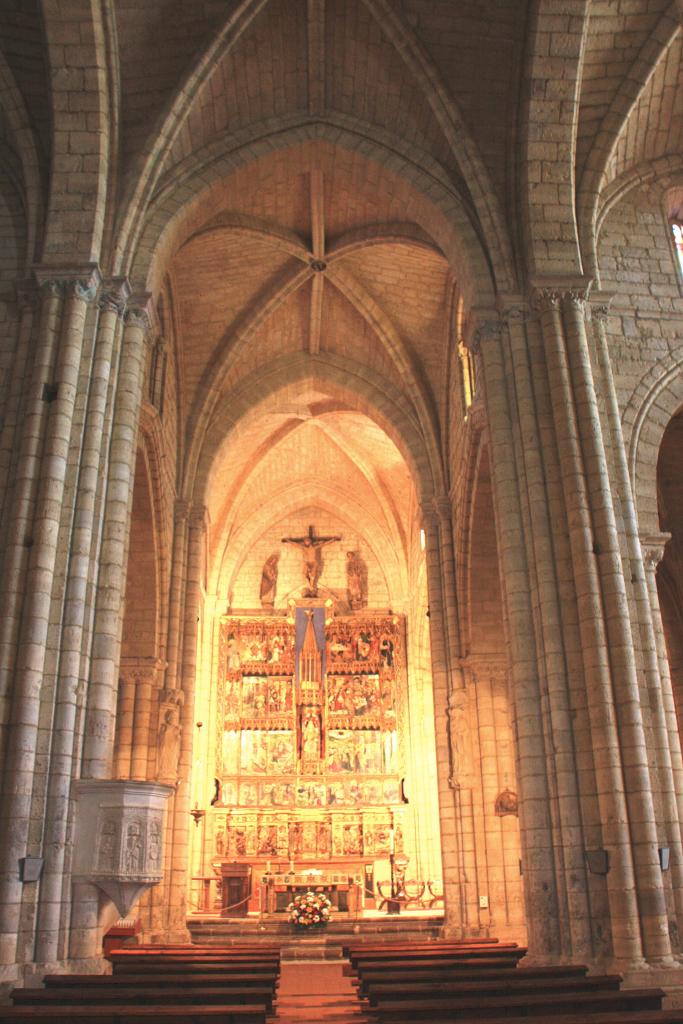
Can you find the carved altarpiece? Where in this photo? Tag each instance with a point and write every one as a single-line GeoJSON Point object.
{"type": "Point", "coordinates": [309, 753]}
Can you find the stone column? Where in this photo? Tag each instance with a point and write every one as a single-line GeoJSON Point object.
{"type": "Point", "coordinates": [147, 679]}
{"type": "Point", "coordinates": [27, 303]}
{"type": "Point", "coordinates": [557, 637]}
{"type": "Point", "coordinates": [179, 816]}
{"type": "Point", "coordinates": [624, 791]}
{"type": "Point", "coordinates": [18, 519]}
{"type": "Point", "coordinates": [75, 616]}
{"type": "Point", "coordinates": [545, 939]}
{"type": "Point", "coordinates": [665, 710]}
{"type": "Point", "coordinates": [111, 584]}
{"type": "Point", "coordinates": [641, 551]}
{"type": "Point", "coordinates": [606, 550]}
{"type": "Point", "coordinates": [451, 855]}
{"type": "Point", "coordinates": [35, 612]}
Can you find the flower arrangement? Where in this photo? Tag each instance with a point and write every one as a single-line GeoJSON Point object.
{"type": "Point", "coordinates": [310, 910]}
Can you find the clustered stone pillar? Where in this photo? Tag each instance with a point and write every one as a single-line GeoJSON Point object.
{"type": "Point", "coordinates": [37, 512]}
{"type": "Point", "coordinates": [587, 786]}
{"type": "Point", "coordinates": [545, 935]}
{"type": "Point", "coordinates": [640, 553]}
{"type": "Point", "coordinates": [98, 760]}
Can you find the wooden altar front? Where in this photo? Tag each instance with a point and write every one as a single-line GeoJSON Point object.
{"type": "Point", "coordinates": [343, 888]}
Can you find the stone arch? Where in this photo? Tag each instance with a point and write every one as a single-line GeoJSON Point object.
{"type": "Point", "coordinates": [453, 229]}
{"type": "Point", "coordinates": [607, 137]}
{"type": "Point", "coordinates": [78, 237]}
{"type": "Point", "coordinates": [546, 95]}
{"type": "Point", "coordinates": [652, 405]}
{"type": "Point", "coordinates": [357, 387]}
{"type": "Point", "coordinates": [666, 170]}
{"type": "Point", "coordinates": [30, 186]}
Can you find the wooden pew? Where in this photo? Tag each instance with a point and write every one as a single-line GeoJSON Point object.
{"type": "Point", "coordinates": [390, 945]}
{"type": "Point", "coordinates": [183, 954]}
{"type": "Point", "coordinates": [435, 950]}
{"type": "Point", "coordinates": [216, 980]}
{"type": "Point", "coordinates": [107, 1014]}
{"type": "Point", "coordinates": [416, 973]}
{"type": "Point", "coordinates": [156, 995]}
{"type": "Point", "coordinates": [447, 963]}
{"type": "Point", "coordinates": [149, 967]}
{"type": "Point", "coordinates": [479, 1006]}
{"type": "Point", "coordinates": [449, 990]}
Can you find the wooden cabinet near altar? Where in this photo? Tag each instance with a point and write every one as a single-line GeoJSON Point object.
{"type": "Point", "coordinates": [235, 888]}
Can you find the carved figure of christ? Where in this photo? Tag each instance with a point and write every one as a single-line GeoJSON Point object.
{"type": "Point", "coordinates": [311, 548]}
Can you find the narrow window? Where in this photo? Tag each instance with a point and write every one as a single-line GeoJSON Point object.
{"type": "Point", "coordinates": [677, 229]}
{"type": "Point", "coordinates": [467, 377]}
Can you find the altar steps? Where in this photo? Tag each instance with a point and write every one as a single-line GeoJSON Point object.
{"type": "Point", "coordinates": [325, 945]}
{"type": "Point", "coordinates": [317, 993]}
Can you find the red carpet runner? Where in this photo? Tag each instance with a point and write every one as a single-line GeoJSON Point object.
{"type": "Point", "coordinates": [317, 992]}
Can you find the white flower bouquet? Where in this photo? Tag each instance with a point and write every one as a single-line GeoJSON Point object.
{"type": "Point", "coordinates": [310, 910]}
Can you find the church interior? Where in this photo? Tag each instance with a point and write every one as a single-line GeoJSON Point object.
{"type": "Point", "coordinates": [341, 476]}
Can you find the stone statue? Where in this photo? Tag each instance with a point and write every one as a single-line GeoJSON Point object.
{"type": "Point", "coordinates": [169, 747]}
{"type": "Point", "coordinates": [269, 581]}
{"type": "Point", "coordinates": [356, 581]}
{"type": "Point", "coordinates": [310, 737]}
{"type": "Point", "coordinates": [313, 564]}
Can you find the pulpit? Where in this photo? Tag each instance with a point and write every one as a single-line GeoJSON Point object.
{"type": "Point", "coordinates": [235, 889]}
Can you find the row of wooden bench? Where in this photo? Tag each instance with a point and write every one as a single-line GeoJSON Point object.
{"type": "Point", "coordinates": [159, 985]}
{"type": "Point", "coordinates": [472, 981]}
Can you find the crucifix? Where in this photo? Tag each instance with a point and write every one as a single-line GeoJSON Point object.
{"type": "Point", "coordinates": [311, 550]}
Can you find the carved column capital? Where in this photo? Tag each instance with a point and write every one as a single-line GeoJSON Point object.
{"type": "Point", "coordinates": [142, 670]}
{"type": "Point", "coordinates": [652, 546]}
{"type": "Point", "coordinates": [514, 309]}
{"type": "Point", "coordinates": [140, 312]}
{"type": "Point", "coordinates": [79, 281]}
{"type": "Point", "coordinates": [599, 305]}
{"type": "Point", "coordinates": [114, 295]}
{"type": "Point", "coordinates": [199, 517]}
{"type": "Point", "coordinates": [556, 291]}
{"type": "Point", "coordinates": [181, 511]}
{"type": "Point", "coordinates": [483, 325]}
{"type": "Point", "coordinates": [428, 514]}
{"type": "Point", "coordinates": [443, 508]}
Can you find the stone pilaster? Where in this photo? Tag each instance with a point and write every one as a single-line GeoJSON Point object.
{"type": "Point", "coordinates": [453, 878]}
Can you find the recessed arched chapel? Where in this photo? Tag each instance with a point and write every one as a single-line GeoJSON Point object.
{"type": "Point", "coordinates": [341, 474]}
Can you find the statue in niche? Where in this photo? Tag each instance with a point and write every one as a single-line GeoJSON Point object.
{"type": "Point", "coordinates": [356, 581]}
{"type": "Point", "coordinates": [134, 849]}
{"type": "Point", "coordinates": [269, 581]}
{"type": "Point", "coordinates": [310, 744]}
{"type": "Point", "coordinates": [311, 549]}
{"type": "Point", "coordinates": [169, 746]}
{"type": "Point", "coordinates": [154, 847]}
{"type": "Point", "coordinates": [107, 846]}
